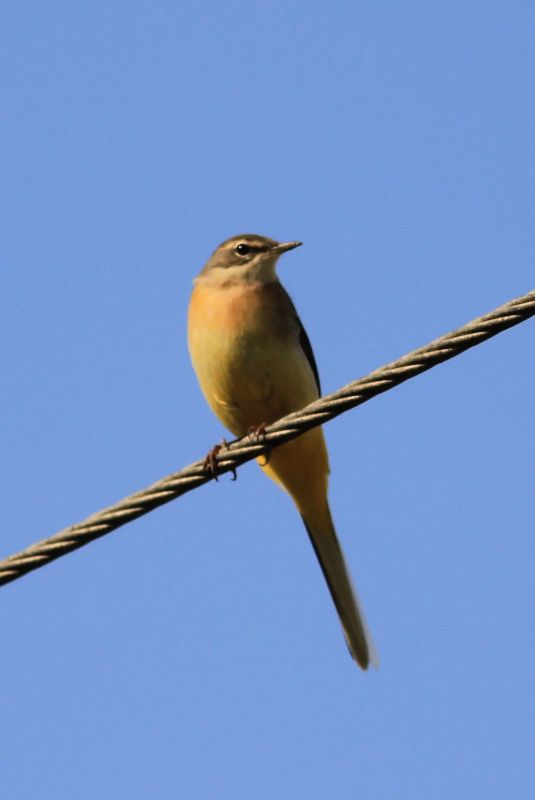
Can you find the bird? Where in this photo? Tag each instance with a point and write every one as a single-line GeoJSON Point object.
{"type": "Point", "coordinates": [254, 363]}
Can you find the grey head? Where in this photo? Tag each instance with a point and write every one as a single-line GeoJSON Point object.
{"type": "Point", "coordinates": [247, 257]}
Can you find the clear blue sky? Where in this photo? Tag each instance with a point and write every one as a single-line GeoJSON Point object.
{"type": "Point", "coordinates": [196, 652]}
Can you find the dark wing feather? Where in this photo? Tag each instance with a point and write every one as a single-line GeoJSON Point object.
{"type": "Point", "coordinates": [304, 341]}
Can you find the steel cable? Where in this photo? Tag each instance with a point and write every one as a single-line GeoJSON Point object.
{"type": "Point", "coordinates": [245, 449]}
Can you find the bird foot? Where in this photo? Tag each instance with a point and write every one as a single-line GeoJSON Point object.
{"type": "Point", "coordinates": [258, 432]}
{"type": "Point", "coordinates": [210, 462]}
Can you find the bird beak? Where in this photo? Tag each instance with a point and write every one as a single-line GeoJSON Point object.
{"type": "Point", "coordinates": [283, 247]}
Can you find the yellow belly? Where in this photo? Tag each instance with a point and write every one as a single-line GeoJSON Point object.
{"type": "Point", "coordinates": [252, 370]}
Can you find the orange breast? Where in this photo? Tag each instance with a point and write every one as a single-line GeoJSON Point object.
{"type": "Point", "coordinates": [245, 349]}
{"type": "Point", "coordinates": [242, 346]}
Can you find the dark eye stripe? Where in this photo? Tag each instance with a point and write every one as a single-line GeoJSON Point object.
{"type": "Point", "coordinates": [253, 248]}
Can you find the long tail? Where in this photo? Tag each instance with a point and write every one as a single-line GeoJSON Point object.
{"type": "Point", "coordinates": [331, 559]}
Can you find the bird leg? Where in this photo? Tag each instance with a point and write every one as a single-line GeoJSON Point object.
{"type": "Point", "coordinates": [210, 462]}
{"type": "Point", "coordinates": [258, 432]}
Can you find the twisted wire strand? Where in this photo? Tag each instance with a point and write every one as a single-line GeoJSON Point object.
{"type": "Point", "coordinates": [245, 449]}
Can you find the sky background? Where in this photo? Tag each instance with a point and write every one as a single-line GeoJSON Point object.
{"type": "Point", "coordinates": [196, 653]}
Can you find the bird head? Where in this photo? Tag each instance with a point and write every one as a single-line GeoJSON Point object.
{"type": "Point", "coordinates": [246, 258]}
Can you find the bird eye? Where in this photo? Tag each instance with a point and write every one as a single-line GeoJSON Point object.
{"type": "Point", "coordinates": [243, 249]}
